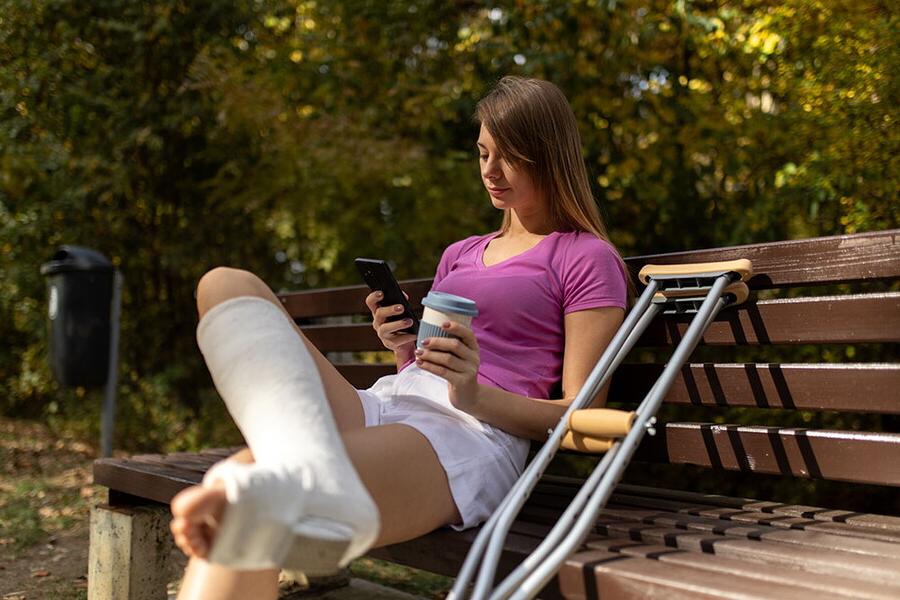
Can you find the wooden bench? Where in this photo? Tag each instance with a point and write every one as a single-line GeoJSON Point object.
{"type": "Point", "coordinates": [651, 541]}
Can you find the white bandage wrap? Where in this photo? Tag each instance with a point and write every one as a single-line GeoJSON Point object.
{"type": "Point", "coordinates": [302, 489]}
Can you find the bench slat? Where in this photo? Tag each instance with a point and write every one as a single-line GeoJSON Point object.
{"type": "Point", "coordinates": [861, 457]}
{"type": "Point", "coordinates": [814, 560]}
{"type": "Point", "coordinates": [598, 573]}
{"type": "Point", "coordinates": [840, 387]}
{"type": "Point", "coordinates": [823, 260]}
{"type": "Point", "coordinates": [154, 482]}
{"type": "Point", "coordinates": [850, 318]}
{"type": "Point", "coordinates": [569, 486]}
{"type": "Point", "coordinates": [362, 376]}
{"type": "Point", "coordinates": [833, 319]}
{"type": "Point", "coordinates": [546, 500]}
{"type": "Point", "coordinates": [844, 258]}
{"type": "Point", "coordinates": [776, 574]}
{"type": "Point", "coordinates": [661, 513]}
{"type": "Point", "coordinates": [349, 300]}
{"type": "Point", "coordinates": [857, 387]}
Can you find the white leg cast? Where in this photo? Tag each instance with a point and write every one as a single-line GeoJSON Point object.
{"type": "Point", "coordinates": [301, 505]}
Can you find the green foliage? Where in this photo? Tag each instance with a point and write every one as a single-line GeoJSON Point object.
{"type": "Point", "coordinates": [288, 137]}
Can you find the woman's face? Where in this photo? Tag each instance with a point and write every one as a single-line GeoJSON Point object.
{"type": "Point", "coordinates": [508, 187]}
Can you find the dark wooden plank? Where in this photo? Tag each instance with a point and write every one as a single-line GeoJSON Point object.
{"type": "Point", "coordinates": [362, 376]}
{"type": "Point", "coordinates": [829, 319]}
{"type": "Point", "coordinates": [814, 560]}
{"type": "Point", "coordinates": [343, 338]}
{"type": "Point", "coordinates": [776, 574]}
{"type": "Point", "coordinates": [568, 487]}
{"type": "Point", "coordinates": [221, 452]}
{"type": "Point", "coordinates": [189, 466]}
{"type": "Point", "coordinates": [857, 257]}
{"type": "Point", "coordinates": [858, 387]}
{"type": "Point", "coordinates": [349, 300]}
{"type": "Point", "coordinates": [801, 524]}
{"type": "Point", "coordinates": [154, 482]}
{"type": "Point", "coordinates": [841, 387]}
{"type": "Point", "coordinates": [597, 573]}
{"type": "Point", "coordinates": [856, 520]}
{"type": "Point", "coordinates": [862, 457]}
{"type": "Point", "coordinates": [842, 258]}
{"type": "Point", "coordinates": [808, 533]}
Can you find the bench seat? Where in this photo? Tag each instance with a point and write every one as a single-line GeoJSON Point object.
{"type": "Point", "coordinates": [646, 541]}
{"type": "Point", "coordinates": [811, 300]}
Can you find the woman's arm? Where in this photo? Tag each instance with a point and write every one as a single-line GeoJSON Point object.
{"type": "Point", "coordinates": [587, 334]}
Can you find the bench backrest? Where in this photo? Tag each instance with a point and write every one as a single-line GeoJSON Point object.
{"type": "Point", "coordinates": [785, 315]}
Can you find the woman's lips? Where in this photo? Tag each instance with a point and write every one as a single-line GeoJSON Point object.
{"type": "Point", "coordinates": [497, 192]}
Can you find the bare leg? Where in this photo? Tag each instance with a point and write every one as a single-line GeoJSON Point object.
{"type": "Point", "coordinates": [376, 452]}
{"type": "Point", "coordinates": [223, 283]}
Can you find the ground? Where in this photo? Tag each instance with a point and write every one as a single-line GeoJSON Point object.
{"type": "Point", "coordinates": [45, 499]}
{"type": "Point", "coordinates": [45, 495]}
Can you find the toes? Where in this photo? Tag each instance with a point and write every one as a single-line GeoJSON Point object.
{"type": "Point", "coordinates": [179, 526]}
{"type": "Point", "coordinates": [194, 510]}
{"type": "Point", "coordinates": [197, 504]}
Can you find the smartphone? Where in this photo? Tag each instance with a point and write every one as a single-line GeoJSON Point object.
{"type": "Point", "coordinates": [378, 276]}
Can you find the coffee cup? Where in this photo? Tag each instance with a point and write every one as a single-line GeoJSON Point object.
{"type": "Point", "coordinates": [441, 307]}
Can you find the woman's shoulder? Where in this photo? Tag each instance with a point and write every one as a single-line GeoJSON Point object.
{"type": "Point", "coordinates": [577, 245]}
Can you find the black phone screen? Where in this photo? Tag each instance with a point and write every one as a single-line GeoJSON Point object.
{"type": "Point", "coordinates": [378, 276]}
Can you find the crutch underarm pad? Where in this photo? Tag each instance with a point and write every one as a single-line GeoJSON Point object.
{"type": "Point", "coordinates": [738, 290]}
{"type": "Point", "coordinates": [601, 422]}
{"type": "Point", "coordinates": [582, 443]}
{"type": "Point", "coordinates": [741, 266]}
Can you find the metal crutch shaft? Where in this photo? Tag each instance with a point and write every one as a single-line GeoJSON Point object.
{"type": "Point", "coordinates": [539, 463]}
{"type": "Point", "coordinates": [640, 318]}
{"type": "Point", "coordinates": [706, 313]}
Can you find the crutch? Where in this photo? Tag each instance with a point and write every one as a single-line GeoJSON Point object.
{"type": "Point", "coordinates": [701, 289]}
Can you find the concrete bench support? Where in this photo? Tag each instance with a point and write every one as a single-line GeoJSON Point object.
{"type": "Point", "coordinates": [129, 553]}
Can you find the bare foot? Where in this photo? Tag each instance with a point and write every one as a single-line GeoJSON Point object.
{"type": "Point", "coordinates": [197, 512]}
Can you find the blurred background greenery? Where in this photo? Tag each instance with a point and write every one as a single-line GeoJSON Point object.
{"type": "Point", "coordinates": [288, 136]}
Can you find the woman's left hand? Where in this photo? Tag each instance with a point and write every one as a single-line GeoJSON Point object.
{"type": "Point", "coordinates": [456, 360]}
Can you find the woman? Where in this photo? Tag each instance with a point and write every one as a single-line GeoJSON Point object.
{"type": "Point", "coordinates": [337, 469]}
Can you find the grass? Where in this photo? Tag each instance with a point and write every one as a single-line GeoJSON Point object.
{"type": "Point", "coordinates": [45, 497]}
{"type": "Point", "coordinates": [411, 581]}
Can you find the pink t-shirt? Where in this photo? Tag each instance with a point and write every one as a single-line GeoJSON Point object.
{"type": "Point", "coordinates": [522, 301]}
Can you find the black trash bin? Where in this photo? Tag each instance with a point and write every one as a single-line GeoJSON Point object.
{"type": "Point", "coordinates": [80, 288]}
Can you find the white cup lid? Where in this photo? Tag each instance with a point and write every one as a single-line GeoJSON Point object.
{"type": "Point", "coordinates": [450, 303]}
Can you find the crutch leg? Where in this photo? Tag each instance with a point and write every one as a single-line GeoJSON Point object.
{"type": "Point", "coordinates": [683, 284]}
{"type": "Point", "coordinates": [721, 294]}
{"type": "Point", "coordinates": [497, 527]}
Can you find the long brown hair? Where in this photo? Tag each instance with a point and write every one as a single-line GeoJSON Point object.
{"type": "Point", "coordinates": [535, 130]}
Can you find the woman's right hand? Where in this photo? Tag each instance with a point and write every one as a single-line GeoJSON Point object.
{"type": "Point", "coordinates": [388, 331]}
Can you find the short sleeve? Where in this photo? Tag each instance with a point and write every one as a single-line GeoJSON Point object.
{"type": "Point", "coordinates": [592, 276]}
{"type": "Point", "coordinates": [445, 265]}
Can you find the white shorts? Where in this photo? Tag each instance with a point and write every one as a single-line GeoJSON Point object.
{"type": "Point", "coordinates": [481, 461]}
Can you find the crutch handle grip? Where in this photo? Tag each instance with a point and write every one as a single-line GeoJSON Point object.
{"type": "Point", "coordinates": [582, 443]}
{"type": "Point", "coordinates": [738, 290]}
{"type": "Point", "coordinates": [741, 266]}
{"type": "Point", "coordinates": [601, 422]}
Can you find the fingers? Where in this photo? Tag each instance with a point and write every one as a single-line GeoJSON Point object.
{"type": "Point", "coordinates": [450, 355]}
{"type": "Point", "coordinates": [381, 314]}
{"type": "Point", "coordinates": [465, 337]}
{"type": "Point", "coordinates": [191, 538]}
{"type": "Point", "coordinates": [372, 301]}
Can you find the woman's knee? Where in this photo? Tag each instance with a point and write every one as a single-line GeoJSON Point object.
{"type": "Point", "coordinates": [221, 283]}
